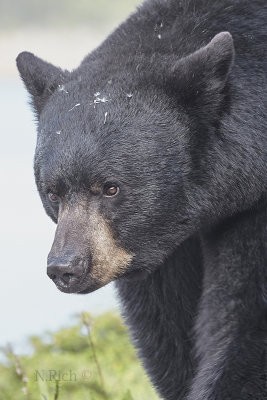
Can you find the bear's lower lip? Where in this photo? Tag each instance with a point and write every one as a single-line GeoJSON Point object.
{"type": "Point", "coordinates": [65, 288]}
{"type": "Point", "coordinates": [79, 288]}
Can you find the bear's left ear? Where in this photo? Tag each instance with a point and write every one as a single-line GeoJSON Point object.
{"type": "Point", "coordinates": [201, 77]}
{"type": "Point", "coordinates": [40, 78]}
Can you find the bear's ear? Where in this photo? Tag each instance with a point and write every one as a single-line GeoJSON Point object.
{"type": "Point", "coordinates": [40, 78]}
{"type": "Point", "coordinates": [201, 77]}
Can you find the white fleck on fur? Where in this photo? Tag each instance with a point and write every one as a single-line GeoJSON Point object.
{"type": "Point", "coordinates": [76, 105]}
{"type": "Point", "coordinates": [100, 100]}
{"type": "Point", "coordinates": [105, 120]}
{"type": "Point", "coordinates": [61, 88]}
{"type": "Point", "coordinates": [58, 132]}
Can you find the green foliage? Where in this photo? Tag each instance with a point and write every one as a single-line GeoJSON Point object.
{"type": "Point", "coordinates": [92, 360]}
{"type": "Point", "coordinates": [63, 12]}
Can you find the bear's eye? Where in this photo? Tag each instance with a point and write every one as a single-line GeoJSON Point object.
{"type": "Point", "coordinates": [53, 197]}
{"type": "Point", "coordinates": [111, 190]}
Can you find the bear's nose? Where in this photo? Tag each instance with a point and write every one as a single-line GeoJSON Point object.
{"type": "Point", "coordinates": [64, 272]}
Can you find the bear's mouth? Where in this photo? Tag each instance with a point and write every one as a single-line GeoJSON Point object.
{"type": "Point", "coordinates": [69, 284]}
{"type": "Point", "coordinates": [82, 286]}
{"type": "Point", "coordinates": [66, 288]}
{"type": "Point", "coordinates": [87, 284]}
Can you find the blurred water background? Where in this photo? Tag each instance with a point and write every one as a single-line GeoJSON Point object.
{"type": "Point", "coordinates": [61, 32]}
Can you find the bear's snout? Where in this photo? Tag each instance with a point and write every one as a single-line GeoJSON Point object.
{"type": "Point", "coordinates": [68, 274]}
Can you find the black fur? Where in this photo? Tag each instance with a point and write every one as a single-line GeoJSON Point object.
{"type": "Point", "coordinates": [180, 125]}
{"type": "Point", "coordinates": [160, 311]}
{"type": "Point", "coordinates": [231, 328]}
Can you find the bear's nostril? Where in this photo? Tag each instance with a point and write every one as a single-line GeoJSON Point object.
{"type": "Point", "coordinates": [58, 276]}
{"type": "Point", "coordinates": [67, 277]}
{"type": "Point", "coordinates": [52, 276]}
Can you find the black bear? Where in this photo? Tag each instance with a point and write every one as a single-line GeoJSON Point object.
{"type": "Point", "coordinates": [151, 158]}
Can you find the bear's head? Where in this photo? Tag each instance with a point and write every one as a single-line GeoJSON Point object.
{"type": "Point", "coordinates": [123, 160]}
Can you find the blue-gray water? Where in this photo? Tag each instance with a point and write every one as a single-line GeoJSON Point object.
{"type": "Point", "coordinates": [30, 303]}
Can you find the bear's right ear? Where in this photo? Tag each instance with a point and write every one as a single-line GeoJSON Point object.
{"type": "Point", "coordinates": [40, 78]}
{"type": "Point", "coordinates": [200, 79]}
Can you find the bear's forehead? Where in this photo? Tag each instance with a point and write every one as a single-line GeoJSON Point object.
{"type": "Point", "coordinates": [101, 108]}
{"type": "Point", "coordinates": [94, 94]}
{"type": "Point", "coordinates": [103, 125]}
{"type": "Point", "coordinates": [92, 106]}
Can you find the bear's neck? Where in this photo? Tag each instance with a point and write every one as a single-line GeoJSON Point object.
{"type": "Point", "coordinates": [160, 312]}
{"type": "Point", "coordinates": [232, 324]}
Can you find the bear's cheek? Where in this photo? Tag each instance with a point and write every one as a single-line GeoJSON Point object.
{"type": "Point", "coordinates": [109, 259]}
